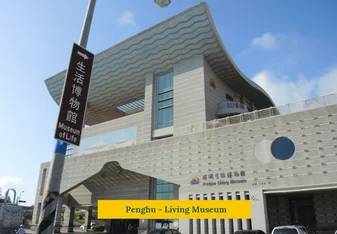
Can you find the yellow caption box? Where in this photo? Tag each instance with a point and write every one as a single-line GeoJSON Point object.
{"type": "Point", "coordinates": [174, 209]}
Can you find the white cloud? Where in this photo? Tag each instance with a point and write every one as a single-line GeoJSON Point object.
{"type": "Point", "coordinates": [282, 90]}
{"type": "Point", "coordinates": [267, 41]}
{"type": "Point", "coordinates": [127, 18]}
{"type": "Point", "coordinates": [327, 84]}
{"type": "Point", "coordinates": [270, 42]}
{"type": "Point", "coordinates": [8, 182]}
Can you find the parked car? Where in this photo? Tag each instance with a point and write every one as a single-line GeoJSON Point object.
{"type": "Point", "coordinates": [249, 232]}
{"type": "Point", "coordinates": [291, 229]}
{"type": "Point", "coordinates": [164, 231]}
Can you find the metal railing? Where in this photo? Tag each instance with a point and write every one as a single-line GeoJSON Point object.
{"type": "Point", "coordinates": [269, 112]}
{"type": "Point", "coordinates": [233, 105]}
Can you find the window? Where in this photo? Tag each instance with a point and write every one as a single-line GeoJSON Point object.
{"type": "Point", "coordinates": [69, 151]}
{"type": "Point", "coordinates": [132, 107]}
{"type": "Point", "coordinates": [229, 98]}
{"type": "Point", "coordinates": [164, 190]}
{"type": "Point", "coordinates": [165, 100]}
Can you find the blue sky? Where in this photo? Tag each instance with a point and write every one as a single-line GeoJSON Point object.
{"type": "Point", "coordinates": [288, 47]}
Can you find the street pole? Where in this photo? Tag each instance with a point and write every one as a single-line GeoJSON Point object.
{"type": "Point", "coordinates": [52, 191]}
{"type": "Point", "coordinates": [87, 24]}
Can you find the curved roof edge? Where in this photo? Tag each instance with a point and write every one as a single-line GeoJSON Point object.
{"type": "Point", "coordinates": [249, 81]}
{"type": "Point", "coordinates": [188, 34]}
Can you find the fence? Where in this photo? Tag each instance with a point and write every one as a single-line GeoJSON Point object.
{"type": "Point", "coordinates": [269, 112]}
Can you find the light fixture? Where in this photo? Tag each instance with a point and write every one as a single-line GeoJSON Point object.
{"type": "Point", "coordinates": [163, 3]}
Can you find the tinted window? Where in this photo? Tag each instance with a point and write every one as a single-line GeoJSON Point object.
{"type": "Point", "coordinates": [168, 232]}
{"type": "Point", "coordinates": [282, 148]}
{"type": "Point", "coordinates": [285, 231]}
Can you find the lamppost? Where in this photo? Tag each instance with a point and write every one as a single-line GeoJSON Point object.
{"type": "Point", "coordinates": [51, 194]}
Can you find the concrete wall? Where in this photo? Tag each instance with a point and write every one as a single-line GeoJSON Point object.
{"type": "Point", "coordinates": [215, 96]}
{"type": "Point", "coordinates": [230, 149]}
{"type": "Point", "coordinates": [189, 94]}
{"type": "Point", "coordinates": [144, 131]}
{"type": "Point", "coordinates": [42, 180]}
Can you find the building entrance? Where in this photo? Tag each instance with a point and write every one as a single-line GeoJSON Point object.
{"type": "Point", "coordinates": [315, 209]}
{"type": "Point", "coordinates": [120, 226]}
{"type": "Point", "coordinates": [302, 211]}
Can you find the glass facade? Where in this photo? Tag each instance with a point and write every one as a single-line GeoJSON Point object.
{"type": "Point", "coordinates": [165, 101]}
{"type": "Point", "coordinates": [164, 190]}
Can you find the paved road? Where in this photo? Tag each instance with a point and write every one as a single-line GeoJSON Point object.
{"type": "Point", "coordinates": [76, 230]}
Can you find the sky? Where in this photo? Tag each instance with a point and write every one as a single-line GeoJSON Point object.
{"type": "Point", "coordinates": [287, 47]}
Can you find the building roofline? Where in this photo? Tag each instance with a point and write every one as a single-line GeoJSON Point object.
{"type": "Point", "coordinates": [245, 78]}
{"type": "Point", "coordinates": [121, 67]}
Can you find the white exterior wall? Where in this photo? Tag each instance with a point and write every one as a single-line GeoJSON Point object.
{"type": "Point", "coordinates": [224, 149]}
{"type": "Point", "coordinates": [39, 195]}
{"type": "Point", "coordinates": [215, 96]}
{"type": "Point", "coordinates": [189, 94]}
{"type": "Point", "coordinates": [144, 132]}
{"type": "Point", "coordinates": [230, 148]}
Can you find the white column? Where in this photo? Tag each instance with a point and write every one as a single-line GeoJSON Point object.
{"type": "Point", "coordinates": [208, 222]}
{"type": "Point", "coordinates": [259, 210]}
{"type": "Point", "coordinates": [244, 221]}
{"type": "Point", "coordinates": [218, 221]}
{"type": "Point", "coordinates": [88, 216]}
{"type": "Point", "coordinates": [235, 221]}
{"type": "Point", "coordinates": [184, 224]}
{"type": "Point", "coordinates": [145, 130]}
{"type": "Point", "coordinates": [199, 226]}
{"type": "Point", "coordinates": [228, 222]}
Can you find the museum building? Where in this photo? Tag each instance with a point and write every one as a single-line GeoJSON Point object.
{"type": "Point", "coordinates": [170, 116]}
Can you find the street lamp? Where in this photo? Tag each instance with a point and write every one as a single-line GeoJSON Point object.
{"type": "Point", "coordinates": [163, 3]}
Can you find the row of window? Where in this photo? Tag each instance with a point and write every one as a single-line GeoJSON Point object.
{"type": "Point", "coordinates": [165, 100]}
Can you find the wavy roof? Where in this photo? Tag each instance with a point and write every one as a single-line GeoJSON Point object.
{"type": "Point", "coordinates": [118, 75]}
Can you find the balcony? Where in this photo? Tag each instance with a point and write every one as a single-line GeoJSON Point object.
{"type": "Point", "coordinates": [231, 108]}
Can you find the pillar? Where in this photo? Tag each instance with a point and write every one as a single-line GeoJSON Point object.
{"type": "Point", "coordinates": [88, 216]}
{"type": "Point", "coordinates": [58, 216]}
{"type": "Point", "coordinates": [69, 216]}
{"type": "Point", "coordinates": [259, 210]}
{"type": "Point", "coordinates": [144, 133]}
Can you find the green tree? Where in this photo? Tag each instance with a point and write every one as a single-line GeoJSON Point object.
{"type": "Point", "coordinates": [79, 215]}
